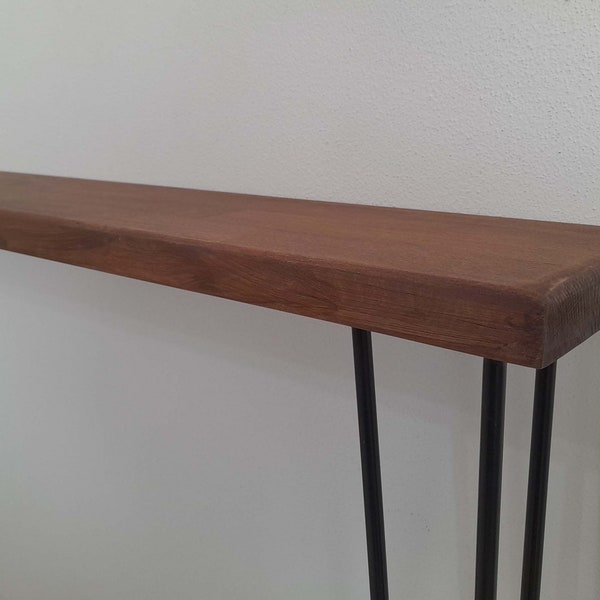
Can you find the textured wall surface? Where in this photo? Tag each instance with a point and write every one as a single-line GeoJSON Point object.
{"type": "Point", "coordinates": [159, 444]}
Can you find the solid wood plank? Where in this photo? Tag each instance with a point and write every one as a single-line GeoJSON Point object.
{"type": "Point", "coordinates": [519, 291]}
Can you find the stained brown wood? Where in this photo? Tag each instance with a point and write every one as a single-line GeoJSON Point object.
{"type": "Point", "coordinates": [519, 291]}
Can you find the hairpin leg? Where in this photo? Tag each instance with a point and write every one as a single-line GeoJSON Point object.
{"type": "Point", "coordinates": [537, 493]}
{"type": "Point", "coordinates": [371, 469]}
{"type": "Point", "coordinates": [490, 478]}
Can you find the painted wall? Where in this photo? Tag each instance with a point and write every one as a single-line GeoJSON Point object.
{"type": "Point", "coordinates": [159, 444]}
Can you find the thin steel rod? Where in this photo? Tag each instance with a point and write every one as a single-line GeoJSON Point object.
{"type": "Point", "coordinates": [371, 469]}
{"type": "Point", "coordinates": [537, 493]}
{"type": "Point", "coordinates": [490, 478]}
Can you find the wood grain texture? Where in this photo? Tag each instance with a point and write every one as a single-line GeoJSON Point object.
{"type": "Point", "coordinates": [524, 292]}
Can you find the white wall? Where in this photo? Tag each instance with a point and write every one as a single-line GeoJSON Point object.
{"type": "Point", "coordinates": [160, 444]}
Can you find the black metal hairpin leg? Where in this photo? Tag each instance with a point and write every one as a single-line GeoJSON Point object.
{"type": "Point", "coordinates": [371, 470]}
{"type": "Point", "coordinates": [490, 478]}
{"type": "Point", "coordinates": [490, 474]}
{"type": "Point", "coordinates": [539, 463]}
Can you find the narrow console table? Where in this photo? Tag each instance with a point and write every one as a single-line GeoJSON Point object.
{"type": "Point", "coordinates": [508, 290]}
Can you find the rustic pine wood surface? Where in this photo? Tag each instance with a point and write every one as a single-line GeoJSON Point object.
{"type": "Point", "coordinates": [519, 291]}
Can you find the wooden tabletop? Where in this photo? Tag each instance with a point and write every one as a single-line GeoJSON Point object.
{"type": "Point", "coordinates": [519, 291]}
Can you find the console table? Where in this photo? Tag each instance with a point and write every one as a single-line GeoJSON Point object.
{"type": "Point", "coordinates": [508, 290]}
